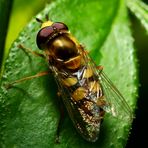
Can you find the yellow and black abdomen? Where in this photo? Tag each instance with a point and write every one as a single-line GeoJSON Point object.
{"type": "Point", "coordinates": [82, 95]}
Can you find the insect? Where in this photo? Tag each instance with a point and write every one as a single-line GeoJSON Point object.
{"type": "Point", "coordinates": [86, 91]}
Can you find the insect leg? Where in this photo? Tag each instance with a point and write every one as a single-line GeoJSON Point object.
{"type": "Point", "coordinates": [101, 101]}
{"type": "Point", "coordinates": [61, 119]}
{"type": "Point", "coordinates": [28, 50]}
{"type": "Point", "coordinates": [7, 86]}
{"type": "Point", "coordinates": [100, 68]}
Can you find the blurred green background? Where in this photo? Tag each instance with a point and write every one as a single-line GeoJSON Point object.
{"type": "Point", "coordinates": [23, 11]}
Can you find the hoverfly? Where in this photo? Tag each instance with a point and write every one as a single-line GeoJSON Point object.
{"type": "Point", "coordinates": [86, 91]}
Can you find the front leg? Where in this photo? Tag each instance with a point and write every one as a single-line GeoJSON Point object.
{"type": "Point", "coordinates": [11, 84]}
{"type": "Point", "coordinates": [28, 50]}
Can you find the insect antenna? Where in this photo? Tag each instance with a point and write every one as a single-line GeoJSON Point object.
{"type": "Point", "coordinates": [39, 20]}
{"type": "Point", "coordinates": [47, 17]}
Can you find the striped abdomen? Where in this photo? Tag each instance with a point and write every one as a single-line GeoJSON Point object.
{"type": "Point", "coordinates": [83, 97]}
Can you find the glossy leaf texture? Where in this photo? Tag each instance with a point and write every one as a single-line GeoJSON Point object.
{"type": "Point", "coordinates": [29, 110]}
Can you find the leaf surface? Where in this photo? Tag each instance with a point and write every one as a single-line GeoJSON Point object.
{"type": "Point", "coordinates": [29, 110]}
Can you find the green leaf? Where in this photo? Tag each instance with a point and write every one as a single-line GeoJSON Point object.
{"type": "Point", "coordinates": [29, 111]}
{"type": "Point", "coordinates": [140, 10]}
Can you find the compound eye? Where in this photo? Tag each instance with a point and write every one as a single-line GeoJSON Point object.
{"type": "Point", "coordinates": [43, 35]}
{"type": "Point", "coordinates": [60, 26]}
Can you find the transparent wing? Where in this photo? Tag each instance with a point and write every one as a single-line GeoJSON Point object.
{"type": "Point", "coordinates": [116, 103]}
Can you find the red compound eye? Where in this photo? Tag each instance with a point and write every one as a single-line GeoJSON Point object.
{"type": "Point", "coordinates": [60, 26]}
{"type": "Point", "coordinates": [48, 32]}
{"type": "Point", "coordinates": [43, 36]}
